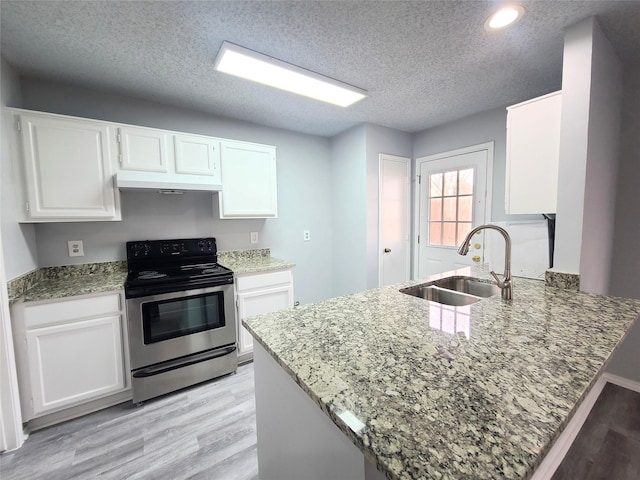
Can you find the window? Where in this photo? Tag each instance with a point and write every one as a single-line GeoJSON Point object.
{"type": "Point", "coordinates": [450, 206]}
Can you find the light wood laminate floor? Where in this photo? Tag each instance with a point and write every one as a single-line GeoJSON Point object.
{"type": "Point", "coordinates": [205, 432]}
{"type": "Point", "coordinates": [208, 432]}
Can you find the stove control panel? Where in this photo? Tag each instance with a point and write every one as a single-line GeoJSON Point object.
{"type": "Point", "coordinates": [148, 249]}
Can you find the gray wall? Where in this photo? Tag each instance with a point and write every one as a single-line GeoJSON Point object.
{"type": "Point", "coordinates": [602, 166]}
{"type": "Point", "coordinates": [304, 185]}
{"type": "Point", "coordinates": [574, 132]}
{"type": "Point", "coordinates": [626, 253]}
{"type": "Point", "coordinates": [489, 126]}
{"type": "Point", "coordinates": [348, 200]}
{"type": "Point", "coordinates": [392, 142]}
{"type": "Point", "coordinates": [18, 241]}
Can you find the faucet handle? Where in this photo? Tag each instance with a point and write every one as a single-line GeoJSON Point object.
{"type": "Point", "coordinates": [494, 275]}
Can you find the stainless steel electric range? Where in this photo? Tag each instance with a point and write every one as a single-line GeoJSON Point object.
{"type": "Point", "coordinates": [181, 316]}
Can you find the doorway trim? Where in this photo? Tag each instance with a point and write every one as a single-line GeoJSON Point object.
{"type": "Point", "coordinates": [406, 160]}
{"type": "Point", "coordinates": [489, 148]}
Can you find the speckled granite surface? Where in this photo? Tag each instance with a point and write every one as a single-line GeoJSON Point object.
{"type": "Point", "coordinates": [65, 281]}
{"type": "Point", "coordinates": [252, 261]}
{"type": "Point", "coordinates": [475, 392]}
{"type": "Point", "coordinates": [69, 280]}
{"type": "Point", "coordinates": [568, 281]}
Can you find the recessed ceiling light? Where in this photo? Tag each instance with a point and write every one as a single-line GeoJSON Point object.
{"type": "Point", "coordinates": [504, 17]}
{"type": "Point", "coordinates": [245, 63]}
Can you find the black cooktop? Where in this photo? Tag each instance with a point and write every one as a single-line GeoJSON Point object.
{"type": "Point", "coordinates": [163, 266]}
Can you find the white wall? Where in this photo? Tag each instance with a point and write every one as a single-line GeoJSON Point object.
{"type": "Point", "coordinates": [304, 186]}
{"type": "Point", "coordinates": [379, 140]}
{"type": "Point", "coordinates": [19, 241]}
{"type": "Point", "coordinates": [626, 252]}
{"type": "Point", "coordinates": [348, 200]}
{"type": "Point", "coordinates": [603, 151]}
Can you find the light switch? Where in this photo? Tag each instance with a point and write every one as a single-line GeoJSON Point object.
{"type": "Point", "coordinates": [76, 249]}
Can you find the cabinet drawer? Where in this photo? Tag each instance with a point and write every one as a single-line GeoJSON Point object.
{"type": "Point", "coordinates": [86, 307]}
{"type": "Point", "coordinates": [261, 280]}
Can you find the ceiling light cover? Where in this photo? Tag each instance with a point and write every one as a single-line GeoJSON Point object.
{"type": "Point", "coordinates": [507, 15]}
{"type": "Point", "coordinates": [245, 63]}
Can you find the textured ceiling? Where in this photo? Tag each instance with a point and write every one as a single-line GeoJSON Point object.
{"type": "Point", "coordinates": [422, 62]}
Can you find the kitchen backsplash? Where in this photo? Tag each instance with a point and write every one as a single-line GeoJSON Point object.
{"type": "Point", "coordinates": [529, 249]}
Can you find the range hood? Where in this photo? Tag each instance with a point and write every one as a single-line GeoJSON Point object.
{"type": "Point", "coordinates": [163, 182]}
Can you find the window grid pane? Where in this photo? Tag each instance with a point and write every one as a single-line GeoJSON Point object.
{"type": "Point", "coordinates": [450, 203]}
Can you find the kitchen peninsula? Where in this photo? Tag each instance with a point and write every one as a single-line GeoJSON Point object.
{"type": "Point", "coordinates": [428, 391]}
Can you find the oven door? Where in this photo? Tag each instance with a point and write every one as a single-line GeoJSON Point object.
{"type": "Point", "coordinates": [171, 325]}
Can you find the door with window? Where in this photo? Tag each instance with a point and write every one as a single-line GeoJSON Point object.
{"type": "Point", "coordinates": [453, 191]}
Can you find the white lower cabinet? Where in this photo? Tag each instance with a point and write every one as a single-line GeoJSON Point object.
{"type": "Point", "coordinates": [257, 294]}
{"type": "Point", "coordinates": [70, 352]}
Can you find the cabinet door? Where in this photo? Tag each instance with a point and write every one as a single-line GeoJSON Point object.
{"type": "Point", "coordinates": [144, 149]}
{"type": "Point", "coordinates": [75, 362]}
{"type": "Point", "coordinates": [68, 172]}
{"type": "Point", "coordinates": [197, 155]}
{"type": "Point", "coordinates": [259, 302]}
{"type": "Point", "coordinates": [249, 187]}
{"type": "Point", "coordinates": [533, 153]}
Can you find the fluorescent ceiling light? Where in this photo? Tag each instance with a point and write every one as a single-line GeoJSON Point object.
{"type": "Point", "coordinates": [270, 71]}
{"type": "Point", "coordinates": [504, 17]}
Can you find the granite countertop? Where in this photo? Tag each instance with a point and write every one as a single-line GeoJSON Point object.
{"type": "Point", "coordinates": [474, 392]}
{"type": "Point", "coordinates": [69, 280]}
{"type": "Point", "coordinates": [50, 283]}
{"type": "Point", "coordinates": [252, 261]}
{"type": "Point", "coordinates": [80, 285]}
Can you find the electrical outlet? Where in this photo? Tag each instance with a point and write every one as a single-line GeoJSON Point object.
{"type": "Point", "coordinates": [76, 249]}
{"type": "Point", "coordinates": [254, 237]}
{"type": "Point", "coordinates": [306, 235]}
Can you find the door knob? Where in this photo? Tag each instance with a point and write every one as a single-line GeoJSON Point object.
{"type": "Point", "coordinates": [387, 250]}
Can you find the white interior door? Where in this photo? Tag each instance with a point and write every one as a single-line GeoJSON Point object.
{"type": "Point", "coordinates": [453, 197]}
{"type": "Point", "coordinates": [394, 257]}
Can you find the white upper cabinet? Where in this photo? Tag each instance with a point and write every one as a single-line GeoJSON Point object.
{"type": "Point", "coordinates": [249, 188]}
{"type": "Point", "coordinates": [197, 155]}
{"type": "Point", "coordinates": [66, 169]}
{"type": "Point", "coordinates": [165, 159]}
{"type": "Point", "coordinates": [144, 149]}
{"type": "Point", "coordinates": [533, 147]}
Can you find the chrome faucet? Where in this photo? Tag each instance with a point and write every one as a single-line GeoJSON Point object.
{"type": "Point", "coordinates": [505, 284]}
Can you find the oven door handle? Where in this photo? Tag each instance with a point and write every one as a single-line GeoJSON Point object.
{"type": "Point", "coordinates": [183, 362]}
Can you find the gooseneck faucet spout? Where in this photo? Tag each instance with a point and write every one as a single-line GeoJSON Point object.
{"type": "Point", "coordinates": [505, 284]}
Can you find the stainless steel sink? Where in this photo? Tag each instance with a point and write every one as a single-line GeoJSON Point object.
{"type": "Point", "coordinates": [440, 295]}
{"type": "Point", "coordinates": [470, 285]}
{"type": "Point", "coordinates": [455, 291]}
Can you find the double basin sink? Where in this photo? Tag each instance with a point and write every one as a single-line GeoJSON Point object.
{"type": "Point", "coordinates": [456, 291]}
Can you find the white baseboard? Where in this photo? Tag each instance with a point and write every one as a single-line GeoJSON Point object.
{"type": "Point", "coordinates": [554, 458]}
{"type": "Point", "coordinates": [622, 382]}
